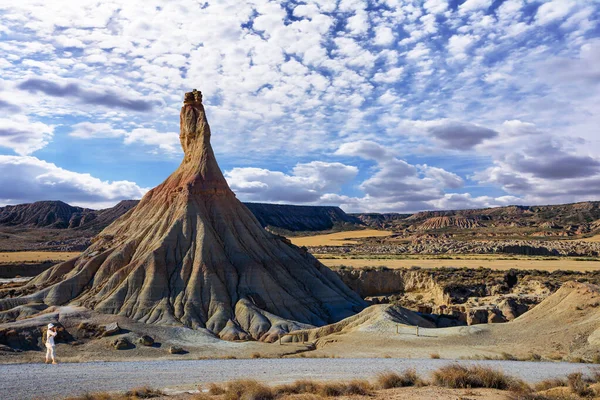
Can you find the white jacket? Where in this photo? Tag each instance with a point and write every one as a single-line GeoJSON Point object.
{"type": "Point", "coordinates": [50, 337]}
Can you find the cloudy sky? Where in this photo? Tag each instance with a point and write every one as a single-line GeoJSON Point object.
{"type": "Point", "coordinates": [383, 105]}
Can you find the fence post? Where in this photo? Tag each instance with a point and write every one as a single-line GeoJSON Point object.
{"type": "Point", "coordinates": [417, 330]}
{"type": "Point", "coordinates": [279, 339]}
{"type": "Point", "coordinates": [397, 329]}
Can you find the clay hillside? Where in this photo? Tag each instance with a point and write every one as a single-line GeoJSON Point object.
{"type": "Point", "coordinates": [558, 221]}
{"type": "Point", "coordinates": [190, 254]}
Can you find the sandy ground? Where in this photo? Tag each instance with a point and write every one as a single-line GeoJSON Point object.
{"type": "Point", "coordinates": [338, 239]}
{"type": "Point", "coordinates": [539, 264]}
{"type": "Point", "coordinates": [35, 256]}
{"type": "Point", "coordinates": [593, 239]}
{"type": "Point", "coordinates": [26, 381]}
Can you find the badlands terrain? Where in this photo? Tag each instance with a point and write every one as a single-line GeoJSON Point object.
{"type": "Point", "coordinates": [191, 273]}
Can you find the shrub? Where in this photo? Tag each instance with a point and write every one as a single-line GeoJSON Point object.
{"type": "Point", "coordinates": [457, 376]}
{"type": "Point", "coordinates": [144, 393]}
{"type": "Point", "coordinates": [91, 396]}
{"type": "Point", "coordinates": [325, 389]}
{"type": "Point", "coordinates": [434, 356]}
{"type": "Point", "coordinates": [389, 380]}
{"type": "Point", "coordinates": [215, 390]}
{"type": "Point", "coordinates": [256, 355]}
{"type": "Point", "coordinates": [578, 385]}
{"type": "Point", "coordinates": [549, 384]}
{"type": "Point", "coordinates": [248, 390]}
{"type": "Point", "coordinates": [358, 387]}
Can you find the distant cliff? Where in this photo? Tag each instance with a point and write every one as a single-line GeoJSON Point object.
{"type": "Point", "coordinates": [300, 218]}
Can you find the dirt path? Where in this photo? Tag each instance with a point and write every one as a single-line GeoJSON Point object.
{"type": "Point", "coordinates": [26, 381]}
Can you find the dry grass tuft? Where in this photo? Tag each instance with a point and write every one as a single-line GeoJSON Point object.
{"type": "Point", "coordinates": [248, 390]}
{"type": "Point", "coordinates": [139, 393]}
{"type": "Point", "coordinates": [549, 384]}
{"type": "Point", "coordinates": [143, 393]}
{"type": "Point", "coordinates": [389, 380]}
{"type": "Point", "coordinates": [435, 356]}
{"type": "Point", "coordinates": [578, 385]}
{"type": "Point", "coordinates": [215, 390]}
{"type": "Point", "coordinates": [256, 355]}
{"type": "Point", "coordinates": [325, 389]}
{"type": "Point", "coordinates": [460, 377]}
{"type": "Point", "coordinates": [92, 396]}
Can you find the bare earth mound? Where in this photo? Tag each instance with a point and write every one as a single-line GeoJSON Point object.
{"type": "Point", "coordinates": [191, 254]}
{"type": "Point", "coordinates": [566, 326]}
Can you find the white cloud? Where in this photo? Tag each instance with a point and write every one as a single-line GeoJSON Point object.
{"type": "Point", "coordinates": [358, 24]}
{"type": "Point", "coordinates": [26, 179]}
{"type": "Point", "coordinates": [24, 136]}
{"type": "Point", "coordinates": [365, 149]}
{"type": "Point", "coordinates": [458, 45]}
{"type": "Point", "coordinates": [307, 183]}
{"type": "Point", "coordinates": [436, 6]}
{"type": "Point", "coordinates": [553, 10]}
{"type": "Point", "coordinates": [89, 130]}
{"type": "Point", "coordinates": [475, 5]}
{"type": "Point", "coordinates": [384, 36]}
{"type": "Point", "coordinates": [167, 142]}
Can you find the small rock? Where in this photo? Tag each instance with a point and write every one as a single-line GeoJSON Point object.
{"type": "Point", "coordinates": [176, 350]}
{"type": "Point", "coordinates": [121, 344]}
{"type": "Point", "coordinates": [111, 329]}
{"type": "Point", "coordinates": [146, 340]}
{"type": "Point", "coordinates": [9, 349]}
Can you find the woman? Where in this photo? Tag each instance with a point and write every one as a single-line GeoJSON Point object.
{"type": "Point", "coordinates": [50, 334]}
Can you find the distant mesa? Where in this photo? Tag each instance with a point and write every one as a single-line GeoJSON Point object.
{"type": "Point", "coordinates": [190, 254]}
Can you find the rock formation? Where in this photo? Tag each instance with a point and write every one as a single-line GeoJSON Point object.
{"type": "Point", "coordinates": [191, 254]}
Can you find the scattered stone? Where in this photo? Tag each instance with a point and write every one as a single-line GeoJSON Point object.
{"type": "Point", "coordinates": [121, 344]}
{"type": "Point", "coordinates": [111, 329]}
{"type": "Point", "coordinates": [146, 340]}
{"type": "Point", "coordinates": [176, 350]}
{"type": "Point", "coordinates": [8, 349]}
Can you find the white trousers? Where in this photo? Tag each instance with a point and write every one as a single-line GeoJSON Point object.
{"type": "Point", "coordinates": [49, 353]}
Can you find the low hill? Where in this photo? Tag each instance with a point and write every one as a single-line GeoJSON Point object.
{"type": "Point", "coordinates": [563, 220]}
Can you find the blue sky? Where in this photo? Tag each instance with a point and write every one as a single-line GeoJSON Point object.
{"type": "Point", "coordinates": [389, 105]}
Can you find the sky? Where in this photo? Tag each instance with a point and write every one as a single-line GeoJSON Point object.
{"type": "Point", "coordinates": [375, 106]}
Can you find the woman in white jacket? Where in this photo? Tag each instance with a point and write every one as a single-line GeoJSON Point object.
{"type": "Point", "coordinates": [50, 334]}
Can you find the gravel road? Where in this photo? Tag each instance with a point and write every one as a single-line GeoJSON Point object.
{"type": "Point", "coordinates": [40, 381]}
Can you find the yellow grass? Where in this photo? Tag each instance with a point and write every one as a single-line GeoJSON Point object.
{"type": "Point", "coordinates": [338, 239]}
{"type": "Point", "coordinates": [593, 239]}
{"type": "Point", "coordinates": [543, 265]}
{"type": "Point", "coordinates": [36, 256]}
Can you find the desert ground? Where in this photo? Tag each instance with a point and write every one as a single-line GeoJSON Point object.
{"type": "Point", "coordinates": [35, 256]}
{"type": "Point", "coordinates": [338, 238]}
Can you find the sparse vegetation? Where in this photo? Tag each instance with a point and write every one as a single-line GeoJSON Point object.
{"type": "Point", "coordinates": [435, 356]}
{"type": "Point", "coordinates": [575, 386]}
{"type": "Point", "coordinates": [134, 394]}
{"type": "Point", "coordinates": [578, 384]}
{"type": "Point", "coordinates": [460, 377]}
{"type": "Point", "coordinates": [549, 384]}
{"type": "Point", "coordinates": [388, 380]}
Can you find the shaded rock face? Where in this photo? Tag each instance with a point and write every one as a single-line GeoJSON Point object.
{"type": "Point", "coordinates": [301, 218]}
{"type": "Point", "coordinates": [191, 254]}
